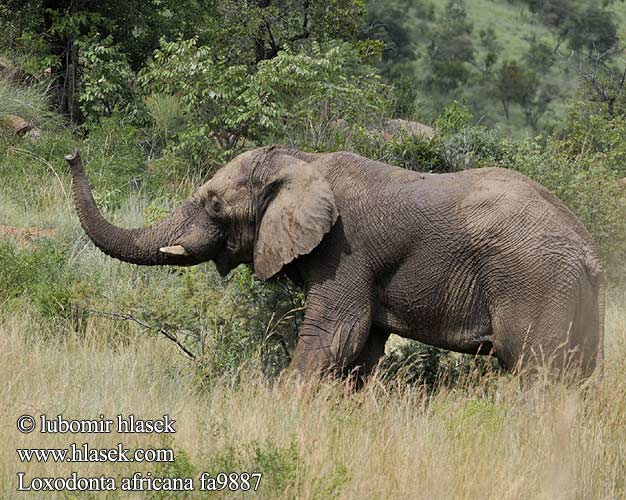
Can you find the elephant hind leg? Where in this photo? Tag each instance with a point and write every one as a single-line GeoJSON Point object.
{"type": "Point", "coordinates": [588, 327]}
{"type": "Point", "coordinates": [560, 338]}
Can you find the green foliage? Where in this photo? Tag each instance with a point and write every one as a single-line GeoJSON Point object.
{"type": "Point", "coordinates": [116, 160]}
{"type": "Point", "coordinates": [136, 25]}
{"type": "Point", "coordinates": [181, 467]}
{"type": "Point", "coordinates": [281, 466]}
{"type": "Point", "coordinates": [540, 56]}
{"type": "Point", "coordinates": [293, 97]}
{"type": "Point", "coordinates": [283, 25]}
{"type": "Point", "coordinates": [553, 12]}
{"type": "Point", "coordinates": [212, 90]}
{"type": "Point", "coordinates": [451, 49]}
{"type": "Point", "coordinates": [106, 79]}
{"type": "Point", "coordinates": [515, 85]}
{"type": "Point", "coordinates": [228, 325]}
{"type": "Point", "coordinates": [491, 46]}
{"type": "Point", "coordinates": [306, 93]}
{"type": "Point", "coordinates": [592, 29]}
{"type": "Point", "coordinates": [40, 276]}
{"type": "Point", "coordinates": [453, 118]}
{"type": "Point", "coordinates": [168, 116]}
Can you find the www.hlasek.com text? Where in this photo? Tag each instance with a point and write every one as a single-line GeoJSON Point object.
{"type": "Point", "coordinates": [85, 453]}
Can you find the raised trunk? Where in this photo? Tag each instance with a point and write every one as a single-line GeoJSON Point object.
{"type": "Point", "coordinates": [138, 246]}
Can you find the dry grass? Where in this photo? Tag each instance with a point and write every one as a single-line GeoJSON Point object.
{"type": "Point", "coordinates": [495, 439]}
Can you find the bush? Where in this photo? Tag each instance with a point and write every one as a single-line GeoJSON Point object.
{"type": "Point", "coordinates": [224, 324]}
{"type": "Point", "coordinates": [40, 276]}
{"type": "Point", "coordinates": [293, 98]}
{"type": "Point", "coordinates": [105, 84]}
{"type": "Point", "coordinates": [115, 160]}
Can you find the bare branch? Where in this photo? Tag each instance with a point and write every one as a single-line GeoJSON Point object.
{"type": "Point", "coordinates": [127, 317]}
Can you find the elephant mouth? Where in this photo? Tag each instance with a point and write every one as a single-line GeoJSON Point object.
{"type": "Point", "coordinates": [222, 263]}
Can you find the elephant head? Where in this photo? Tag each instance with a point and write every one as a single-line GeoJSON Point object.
{"type": "Point", "coordinates": [265, 207]}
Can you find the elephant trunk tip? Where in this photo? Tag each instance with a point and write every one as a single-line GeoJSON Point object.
{"type": "Point", "coordinates": [74, 159]}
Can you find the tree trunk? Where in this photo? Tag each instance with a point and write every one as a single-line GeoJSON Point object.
{"type": "Point", "coordinates": [65, 50]}
{"type": "Point", "coordinates": [505, 105]}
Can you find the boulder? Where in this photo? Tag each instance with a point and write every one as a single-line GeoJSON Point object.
{"type": "Point", "coordinates": [16, 123]}
{"type": "Point", "coordinates": [396, 126]}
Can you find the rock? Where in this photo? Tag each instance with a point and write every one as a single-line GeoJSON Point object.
{"type": "Point", "coordinates": [390, 128]}
{"type": "Point", "coordinates": [395, 126]}
{"type": "Point", "coordinates": [18, 124]}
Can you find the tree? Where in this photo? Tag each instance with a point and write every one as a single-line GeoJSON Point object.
{"type": "Point", "coordinates": [514, 85]}
{"type": "Point", "coordinates": [489, 42]}
{"type": "Point", "coordinates": [552, 12]}
{"type": "Point", "coordinates": [133, 25]}
{"type": "Point", "coordinates": [273, 25]}
{"type": "Point", "coordinates": [593, 30]}
{"type": "Point", "coordinates": [451, 47]}
{"type": "Point", "coordinates": [288, 96]}
{"type": "Point", "coordinates": [539, 56]}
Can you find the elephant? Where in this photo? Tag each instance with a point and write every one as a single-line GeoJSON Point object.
{"type": "Point", "coordinates": [483, 261]}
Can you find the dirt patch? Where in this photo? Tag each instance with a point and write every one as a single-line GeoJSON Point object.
{"type": "Point", "coordinates": [24, 236]}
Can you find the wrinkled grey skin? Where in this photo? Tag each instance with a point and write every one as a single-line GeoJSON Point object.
{"type": "Point", "coordinates": [482, 261]}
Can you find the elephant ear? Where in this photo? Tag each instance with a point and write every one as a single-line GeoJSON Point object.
{"type": "Point", "coordinates": [295, 209]}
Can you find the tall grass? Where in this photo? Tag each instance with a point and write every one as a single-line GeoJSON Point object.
{"type": "Point", "coordinates": [29, 102]}
{"type": "Point", "coordinates": [492, 439]}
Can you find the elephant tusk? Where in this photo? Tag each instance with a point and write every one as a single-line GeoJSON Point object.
{"type": "Point", "coordinates": [174, 250]}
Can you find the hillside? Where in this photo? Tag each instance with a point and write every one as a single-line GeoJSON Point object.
{"type": "Point", "coordinates": [478, 38]}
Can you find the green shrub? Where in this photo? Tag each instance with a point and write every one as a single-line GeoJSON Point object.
{"type": "Point", "coordinates": [292, 98]}
{"type": "Point", "coordinates": [114, 159]}
{"type": "Point", "coordinates": [105, 83]}
{"type": "Point", "coordinates": [225, 324]}
{"type": "Point", "coordinates": [40, 276]}
{"type": "Point", "coordinates": [282, 467]}
{"type": "Point", "coordinates": [182, 467]}
{"type": "Point", "coordinates": [168, 116]}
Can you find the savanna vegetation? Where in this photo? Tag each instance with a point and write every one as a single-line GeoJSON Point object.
{"type": "Point", "coordinates": [157, 95]}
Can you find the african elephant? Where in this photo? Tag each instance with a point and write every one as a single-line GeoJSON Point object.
{"type": "Point", "coordinates": [482, 261]}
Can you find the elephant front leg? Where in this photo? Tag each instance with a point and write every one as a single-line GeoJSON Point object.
{"type": "Point", "coordinates": [331, 336]}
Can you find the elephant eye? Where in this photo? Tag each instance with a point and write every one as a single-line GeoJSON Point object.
{"type": "Point", "coordinates": [216, 206]}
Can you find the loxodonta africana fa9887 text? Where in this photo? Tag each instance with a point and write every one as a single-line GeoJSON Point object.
{"type": "Point", "coordinates": [483, 261]}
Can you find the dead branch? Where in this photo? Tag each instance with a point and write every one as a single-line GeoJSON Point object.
{"type": "Point", "coordinates": [166, 333]}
